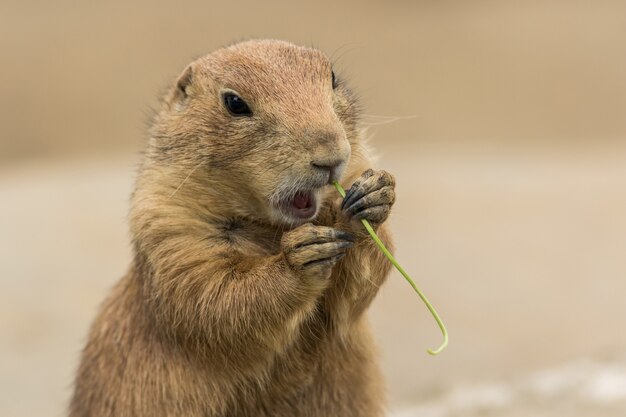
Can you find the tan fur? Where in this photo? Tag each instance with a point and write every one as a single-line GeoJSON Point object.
{"type": "Point", "coordinates": [219, 314]}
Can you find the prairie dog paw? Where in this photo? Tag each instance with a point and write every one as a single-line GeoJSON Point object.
{"type": "Point", "coordinates": [314, 250]}
{"type": "Point", "coordinates": [371, 197]}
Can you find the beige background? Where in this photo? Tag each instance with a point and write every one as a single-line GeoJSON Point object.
{"type": "Point", "coordinates": [504, 123]}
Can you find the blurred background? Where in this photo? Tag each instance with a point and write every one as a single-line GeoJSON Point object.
{"type": "Point", "coordinates": [504, 123]}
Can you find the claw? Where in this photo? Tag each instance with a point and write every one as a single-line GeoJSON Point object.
{"type": "Point", "coordinates": [365, 175]}
{"type": "Point", "coordinates": [356, 194]}
{"type": "Point", "coordinates": [356, 206]}
{"type": "Point", "coordinates": [343, 235]}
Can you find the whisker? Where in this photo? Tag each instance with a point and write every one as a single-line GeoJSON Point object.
{"type": "Point", "coordinates": [383, 120]}
{"type": "Point", "coordinates": [186, 178]}
{"type": "Point", "coordinates": [344, 49]}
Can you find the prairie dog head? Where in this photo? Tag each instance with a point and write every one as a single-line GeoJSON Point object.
{"type": "Point", "coordinates": [265, 122]}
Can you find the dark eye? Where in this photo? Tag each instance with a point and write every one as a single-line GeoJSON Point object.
{"type": "Point", "coordinates": [334, 79]}
{"type": "Point", "coordinates": [236, 106]}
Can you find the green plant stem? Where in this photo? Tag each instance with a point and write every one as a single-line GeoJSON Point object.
{"type": "Point", "coordinates": [395, 263]}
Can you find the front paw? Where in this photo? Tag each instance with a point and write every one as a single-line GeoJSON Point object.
{"type": "Point", "coordinates": [313, 250]}
{"type": "Point", "coordinates": [370, 197]}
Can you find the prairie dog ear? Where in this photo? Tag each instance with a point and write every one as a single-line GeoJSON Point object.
{"type": "Point", "coordinates": [184, 87]}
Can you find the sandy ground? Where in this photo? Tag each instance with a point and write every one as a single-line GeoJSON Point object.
{"type": "Point", "coordinates": [521, 251]}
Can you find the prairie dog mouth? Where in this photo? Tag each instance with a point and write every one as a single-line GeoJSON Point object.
{"type": "Point", "coordinates": [297, 200]}
{"type": "Point", "coordinates": [303, 205]}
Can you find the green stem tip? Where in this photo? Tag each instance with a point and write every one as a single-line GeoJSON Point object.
{"type": "Point", "coordinates": [395, 263]}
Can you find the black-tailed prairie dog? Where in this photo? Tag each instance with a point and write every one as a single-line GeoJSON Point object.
{"type": "Point", "coordinates": [250, 279]}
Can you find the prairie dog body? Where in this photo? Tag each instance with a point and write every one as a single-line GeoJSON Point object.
{"type": "Point", "coordinates": [250, 278]}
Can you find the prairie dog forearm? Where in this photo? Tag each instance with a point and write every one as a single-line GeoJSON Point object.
{"type": "Point", "coordinates": [240, 306]}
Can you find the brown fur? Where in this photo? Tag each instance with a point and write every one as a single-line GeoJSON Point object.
{"type": "Point", "coordinates": [222, 313]}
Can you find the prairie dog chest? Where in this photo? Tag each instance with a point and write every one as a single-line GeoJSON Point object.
{"type": "Point", "coordinates": [250, 237]}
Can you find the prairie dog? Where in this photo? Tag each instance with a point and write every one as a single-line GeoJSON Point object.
{"type": "Point", "coordinates": [250, 279]}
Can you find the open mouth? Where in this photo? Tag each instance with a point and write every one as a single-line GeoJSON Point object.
{"type": "Point", "coordinates": [302, 205]}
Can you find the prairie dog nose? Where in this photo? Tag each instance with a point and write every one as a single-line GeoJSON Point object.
{"type": "Point", "coordinates": [332, 151]}
{"type": "Point", "coordinates": [334, 167]}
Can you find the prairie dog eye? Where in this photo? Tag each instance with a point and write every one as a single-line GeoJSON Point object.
{"type": "Point", "coordinates": [236, 106]}
{"type": "Point", "coordinates": [334, 79]}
